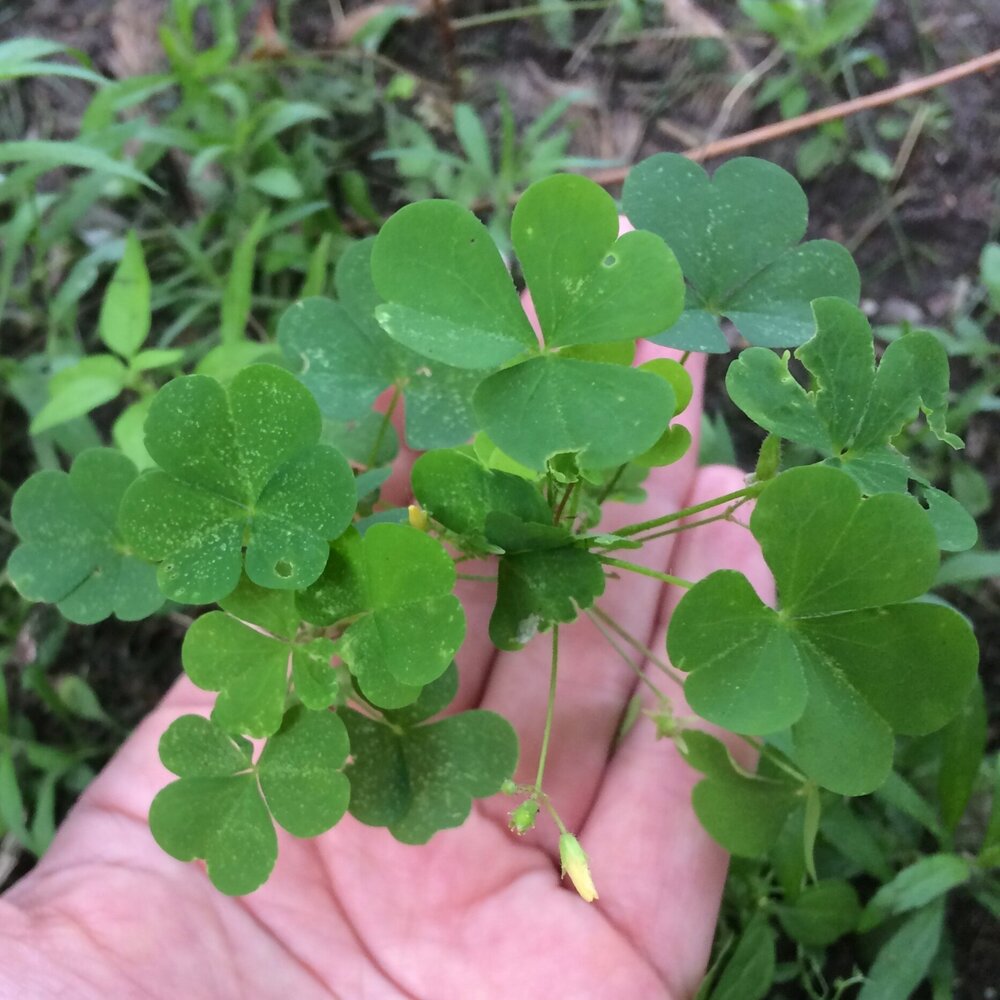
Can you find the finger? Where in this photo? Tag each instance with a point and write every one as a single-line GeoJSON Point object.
{"type": "Point", "coordinates": [659, 873]}
{"type": "Point", "coordinates": [594, 685]}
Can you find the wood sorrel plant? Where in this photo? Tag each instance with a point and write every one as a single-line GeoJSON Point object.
{"type": "Point", "coordinates": [337, 627]}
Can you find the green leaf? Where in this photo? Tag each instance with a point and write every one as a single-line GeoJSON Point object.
{"type": "Point", "coordinates": [301, 773]}
{"type": "Point", "coordinates": [216, 810]}
{"type": "Point", "coordinates": [459, 493]}
{"type": "Point", "coordinates": [736, 241]}
{"type": "Point", "coordinates": [853, 411]}
{"type": "Point", "coordinates": [969, 567]}
{"type": "Point", "coordinates": [236, 298]}
{"type": "Point", "coordinates": [904, 960]}
{"type": "Point", "coordinates": [749, 973]}
{"type": "Point", "coordinates": [963, 743]}
{"type": "Point", "coordinates": [548, 405]}
{"type": "Point", "coordinates": [237, 465]}
{"type": "Point", "coordinates": [916, 886]}
{"type": "Point", "coordinates": [418, 779]}
{"type": "Point", "coordinates": [591, 286]}
{"type": "Point", "coordinates": [244, 652]}
{"type": "Point", "coordinates": [870, 663]}
{"type": "Point", "coordinates": [277, 182]}
{"type": "Point", "coordinates": [71, 553]}
{"type": "Point", "coordinates": [536, 590]}
{"type": "Point", "coordinates": [447, 294]}
{"type": "Point", "coordinates": [125, 311]}
{"type": "Point", "coordinates": [77, 390]}
{"type": "Point", "coordinates": [953, 525]}
{"type": "Point", "coordinates": [822, 913]}
{"type": "Point", "coordinates": [50, 154]}
{"type": "Point", "coordinates": [743, 812]}
{"type": "Point", "coordinates": [395, 583]}
{"type": "Point", "coordinates": [347, 359]}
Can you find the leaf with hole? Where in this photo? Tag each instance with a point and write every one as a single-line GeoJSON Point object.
{"type": "Point", "coordinates": [72, 553]}
{"type": "Point", "coordinates": [237, 466]}
{"type": "Point", "coordinates": [736, 237]}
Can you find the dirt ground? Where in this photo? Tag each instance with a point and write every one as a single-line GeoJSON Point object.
{"type": "Point", "coordinates": [917, 242]}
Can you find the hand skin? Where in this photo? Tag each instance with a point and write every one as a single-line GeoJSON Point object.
{"type": "Point", "coordinates": [476, 914]}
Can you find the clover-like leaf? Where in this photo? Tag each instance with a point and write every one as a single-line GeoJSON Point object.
{"type": "Point", "coordinates": [607, 414]}
{"type": "Point", "coordinates": [538, 589]}
{"type": "Point", "coordinates": [460, 493]}
{"type": "Point", "coordinates": [846, 662]}
{"type": "Point", "coordinates": [853, 410]}
{"type": "Point", "coordinates": [347, 359]}
{"type": "Point", "coordinates": [394, 584]}
{"type": "Point", "coordinates": [71, 552]}
{"type": "Point", "coordinates": [216, 812]}
{"type": "Point", "coordinates": [588, 284]}
{"type": "Point", "coordinates": [736, 236]}
{"type": "Point", "coordinates": [449, 297]}
{"type": "Point", "coordinates": [244, 652]}
{"type": "Point", "coordinates": [419, 778]}
{"type": "Point", "coordinates": [237, 466]}
{"type": "Point", "coordinates": [743, 812]}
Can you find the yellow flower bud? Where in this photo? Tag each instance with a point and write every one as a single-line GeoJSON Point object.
{"type": "Point", "coordinates": [574, 864]}
{"type": "Point", "coordinates": [417, 516]}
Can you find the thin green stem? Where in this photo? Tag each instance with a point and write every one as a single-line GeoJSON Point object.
{"type": "Point", "coordinates": [638, 646]}
{"type": "Point", "coordinates": [645, 571]}
{"type": "Point", "coordinates": [476, 576]}
{"type": "Point", "coordinates": [384, 426]}
{"type": "Point", "coordinates": [635, 667]}
{"type": "Point", "coordinates": [656, 522]}
{"type": "Point", "coordinates": [726, 515]}
{"type": "Point", "coordinates": [609, 486]}
{"type": "Point", "coordinates": [549, 711]}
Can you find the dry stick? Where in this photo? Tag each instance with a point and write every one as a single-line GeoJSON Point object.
{"type": "Point", "coordinates": [779, 130]}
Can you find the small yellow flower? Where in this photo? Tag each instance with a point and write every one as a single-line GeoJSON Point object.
{"type": "Point", "coordinates": [417, 517]}
{"type": "Point", "coordinates": [574, 864]}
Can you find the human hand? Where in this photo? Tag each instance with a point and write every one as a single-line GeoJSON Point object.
{"type": "Point", "coordinates": [476, 914]}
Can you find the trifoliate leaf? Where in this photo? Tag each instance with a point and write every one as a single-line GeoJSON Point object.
{"type": "Point", "coordinates": [536, 590]}
{"type": "Point", "coordinates": [447, 294]}
{"type": "Point", "coordinates": [216, 811]}
{"type": "Point", "coordinates": [418, 779]}
{"type": "Point", "coordinates": [845, 655]}
{"type": "Point", "coordinates": [347, 359]}
{"type": "Point", "coordinates": [460, 493]}
{"type": "Point", "coordinates": [736, 237]}
{"type": "Point", "coordinates": [71, 552]}
{"type": "Point", "coordinates": [549, 405]}
{"type": "Point", "coordinates": [395, 583]}
{"type": "Point", "coordinates": [449, 297]}
{"type": "Point", "coordinates": [237, 466]}
{"type": "Point", "coordinates": [244, 654]}
{"type": "Point", "coordinates": [853, 411]}
{"type": "Point", "coordinates": [743, 812]}
{"type": "Point", "coordinates": [584, 283]}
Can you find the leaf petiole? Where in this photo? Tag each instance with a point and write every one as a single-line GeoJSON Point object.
{"type": "Point", "coordinates": [549, 711]}
{"type": "Point", "coordinates": [656, 522]}
{"type": "Point", "coordinates": [645, 571]}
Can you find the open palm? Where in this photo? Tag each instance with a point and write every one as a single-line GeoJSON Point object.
{"type": "Point", "coordinates": [478, 912]}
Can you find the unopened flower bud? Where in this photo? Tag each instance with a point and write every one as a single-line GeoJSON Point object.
{"type": "Point", "coordinates": [417, 517]}
{"type": "Point", "coordinates": [522, 819]}
{"type": "Point", "coordinates": [574, 864]}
